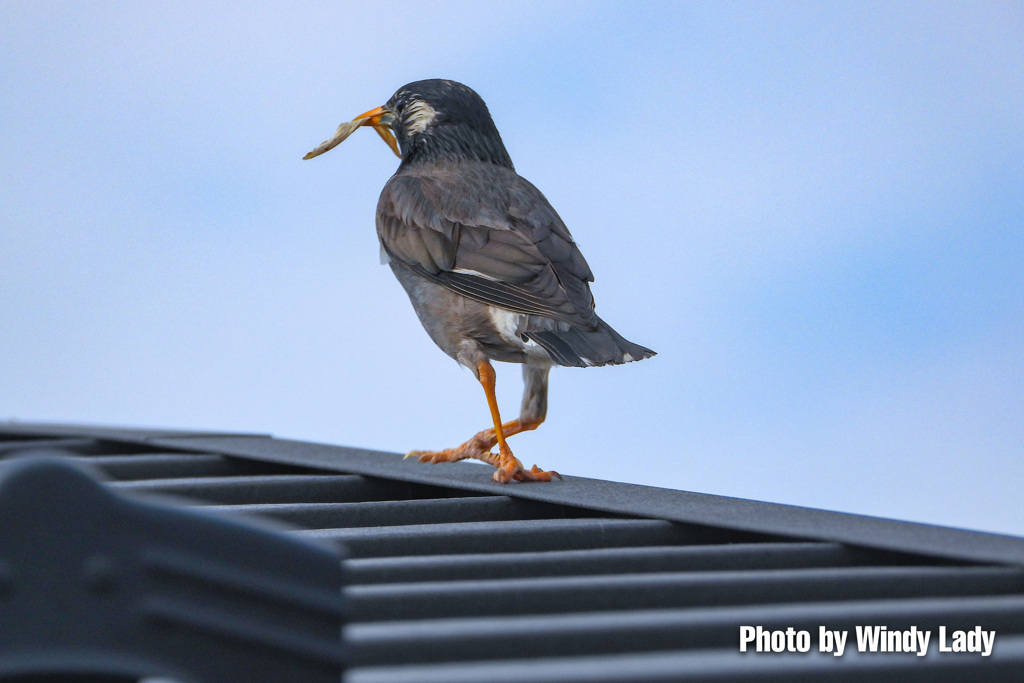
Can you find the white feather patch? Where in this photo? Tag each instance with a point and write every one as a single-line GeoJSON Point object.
{"type": "Point", "coordinates": [469, 271]}
{"type": "Point", "coordinates": [507, 323]}
{"type": "Point", "coordinates": [417, 116]}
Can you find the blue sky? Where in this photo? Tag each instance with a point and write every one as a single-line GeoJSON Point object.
{"type": "Point", "coordinates": [813, 212]}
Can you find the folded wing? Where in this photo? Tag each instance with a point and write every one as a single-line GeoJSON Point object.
{"type": "Point", "coordinates": [489, 235]}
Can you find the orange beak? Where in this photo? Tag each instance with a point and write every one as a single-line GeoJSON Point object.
{"type": "Point", "coordinates": [379, 118]}
{"type": "Point", "coordinates": [381, 122]}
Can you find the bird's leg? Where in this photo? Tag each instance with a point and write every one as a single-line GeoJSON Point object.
{"type": "Point", "coordinates": [479, 447]}
{"type": "Point", "coordinates": [508, 465]}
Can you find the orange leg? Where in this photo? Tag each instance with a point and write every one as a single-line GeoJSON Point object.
{"type": "Point", "coordinates": [480, 445]}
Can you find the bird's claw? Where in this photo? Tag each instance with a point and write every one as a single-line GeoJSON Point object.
{"type": "Point", "coordinates": [434, 457]}
{"type": "Point", "coordinates": [515, 470]}
{"type": "Point", "coordinates": [508, 467]}
{"type": "Point", "coordinates": [479, 447]}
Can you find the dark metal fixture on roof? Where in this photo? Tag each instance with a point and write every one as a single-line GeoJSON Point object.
{"type": "Point", "coordinates": [92, 582]}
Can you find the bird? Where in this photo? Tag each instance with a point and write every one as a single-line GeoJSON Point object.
{"type": "Point", "coordinates": [491, 270]}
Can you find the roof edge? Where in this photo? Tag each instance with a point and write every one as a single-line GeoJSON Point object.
{"type": "Point", "coordinates": [630, 499]}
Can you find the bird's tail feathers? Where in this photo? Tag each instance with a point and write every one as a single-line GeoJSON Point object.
{"type": "Point", "coordinates": [582, 348]}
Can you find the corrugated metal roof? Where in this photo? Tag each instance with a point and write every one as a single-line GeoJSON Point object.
{"type": "Point", "coordinates": [451, 577]}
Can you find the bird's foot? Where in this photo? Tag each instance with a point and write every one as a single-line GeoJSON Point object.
{"type": "Point", "coordinates": [511, 469]}
{"type": "Point", "coordinates": [478, 447]}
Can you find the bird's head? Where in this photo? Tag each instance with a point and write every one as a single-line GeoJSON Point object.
{"type": "Point", "coordinates": [431, 120]}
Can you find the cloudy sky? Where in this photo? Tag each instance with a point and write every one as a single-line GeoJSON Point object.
{"type": "Point", "coordinates": [814, 212]}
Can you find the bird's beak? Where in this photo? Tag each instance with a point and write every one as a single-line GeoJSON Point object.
{"type": "Point", "coordinates": [379, 118]}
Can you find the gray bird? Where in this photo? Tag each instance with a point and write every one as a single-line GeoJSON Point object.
{"type": "Point", "coordinates": [490, 268]}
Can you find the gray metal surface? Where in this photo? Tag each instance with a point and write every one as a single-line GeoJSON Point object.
{"type": "Point", "coordinates": [454, 578]}
{"type": "Point", "coordinates": [98, 584]}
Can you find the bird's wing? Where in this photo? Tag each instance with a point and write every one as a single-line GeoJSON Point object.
{"type": "Point", "coordinates": [486, 233]}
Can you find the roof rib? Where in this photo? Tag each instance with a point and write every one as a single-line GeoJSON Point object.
{"type": "Point", "coordinates": [451, 577]}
